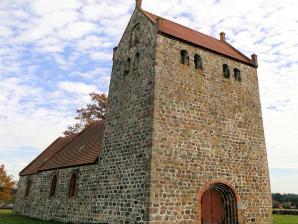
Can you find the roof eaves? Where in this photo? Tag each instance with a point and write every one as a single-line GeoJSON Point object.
{"type": "Point", "coordinates": [68, 166]}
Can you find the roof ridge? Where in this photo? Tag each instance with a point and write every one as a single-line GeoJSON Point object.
{"type": "Point", "coordinates": [190, 35]}
{"type": "Point", "coordinates": [183, 26]}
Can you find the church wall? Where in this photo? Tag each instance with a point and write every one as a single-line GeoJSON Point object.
{"type": "Point", "coordinates": [40, 204]}
{"type": "Point", "coordinates": [170, 130]}
{"type": "Point", "coordinates": [206, 129]}
{"type": "Point", "coordinates": [125, 160]}
{"type": "Point", "coordinates": [116, 190]}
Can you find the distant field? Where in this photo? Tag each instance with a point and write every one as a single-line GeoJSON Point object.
{"type": "Point", "coordinates": [6, 217]}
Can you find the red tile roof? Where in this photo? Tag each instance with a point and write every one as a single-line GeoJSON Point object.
{"type": "Point", "coordinates": [192, 36]}
{"type": "Point", "coordinates": [83, 148]}
{"type": "Point", "coordinates": [51, 150]}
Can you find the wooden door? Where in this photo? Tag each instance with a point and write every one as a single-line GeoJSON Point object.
{"type": "Point", "coordinates": [212, 207]}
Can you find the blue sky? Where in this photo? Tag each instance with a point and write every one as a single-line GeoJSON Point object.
{"type": "Point", "coordinates": [54, 52]}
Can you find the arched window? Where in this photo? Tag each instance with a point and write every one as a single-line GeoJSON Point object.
{"type": "Point", "coordinates": [72, 185]}
{"type": "Point", "coordinates": [135, 35]}
{"type": "Point", "coordinates": [127, 66]}
{"type": "Point", "coordinates": [237, 75]}
{"type": "Point", "coordinates": [28, 187]}
{"type": "Point", "coordinates": [53, 186]}
{"type": "Point", "coordinates": [184, 57]}
{"type": "Point", "coordinates": [136, 61]}
{"type": "Point", "coordinates": [198, 62]}
{"type": "Point", "coordinates": [226, 71]}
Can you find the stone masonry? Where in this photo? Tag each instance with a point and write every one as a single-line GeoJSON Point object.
{"type": "Point", "coordinates": [206, 128]}
{"type": "Point", "coordinates": [171, 131]}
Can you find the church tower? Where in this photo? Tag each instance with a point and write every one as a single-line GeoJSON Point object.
{"type": "Point", "coordinates": [184, 131]}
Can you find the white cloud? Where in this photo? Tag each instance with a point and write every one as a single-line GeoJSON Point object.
{"type": "Point", "coordinates": [43, 7]}
{"type": "Point", "coordinates": [100, 55]}
{"type": "Point", "coordinates": [93, 41]}
{"type": "Point", "coordinates": [77, 30]}
{"type": "Point", "coordinates": [77, 87]}
{"type": "Point", "coordinates": [54, 52]}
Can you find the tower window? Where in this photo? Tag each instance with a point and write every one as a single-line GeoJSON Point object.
{"type": "Point", "coordinates": [226, 71]}
{"type": "Point", "coordinates": [136, 61]}
{"type": "Point", "coordinates": [53, 186]}
{"type": "Point", "coordinates": [198, 62]}
{"type": "Point", "coordinates": [28, 188]}
{"type": "Point", "coordinates": [135, 35]}
{"type": "Point", "coordinates": [127, 66]}
{"type": "Point", "coordinates": [237, 75]}
{"type": "Point", "coordinates": [72, 185]}
{"type": "Point", "coordinates": [184, 57]}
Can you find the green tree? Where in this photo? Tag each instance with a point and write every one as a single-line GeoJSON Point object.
{"type": "Point", "coordinates": [94, 111]}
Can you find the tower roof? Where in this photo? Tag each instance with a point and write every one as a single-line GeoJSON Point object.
{"type": "Point", "coordinates": [197, 38]}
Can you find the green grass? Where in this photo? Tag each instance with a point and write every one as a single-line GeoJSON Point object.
{"type": "Point", "coordinates": [6, 217]}
{"type": "Point", "coordinates": [285, 219]}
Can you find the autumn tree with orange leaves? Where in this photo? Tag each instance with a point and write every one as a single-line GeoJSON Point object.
{"type": "Point", "coordinates": [95, 111]}
{"type": "Point", "coordinates": [6, 186]}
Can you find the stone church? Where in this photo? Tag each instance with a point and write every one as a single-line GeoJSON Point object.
{"type": "Point", "coordinates": [182, 142]}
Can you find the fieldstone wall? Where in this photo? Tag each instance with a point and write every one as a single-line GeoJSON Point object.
{"type": "Point", "coordinates": [116, 190]}
{"type": "Point", "coordinates": [206, 129]}
{"type": "Point", "coordinates": [60, 207]}
{"type": "Point", "coordinates": [171, 130]}
{"type": "Point", "coordinates": [125, 161]}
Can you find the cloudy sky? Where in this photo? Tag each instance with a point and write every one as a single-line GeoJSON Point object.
{"type": "Point", "coordinates": [54, 52]}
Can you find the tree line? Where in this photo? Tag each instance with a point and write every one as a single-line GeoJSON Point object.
{"type": "Point", "coordinates": [286, 201]}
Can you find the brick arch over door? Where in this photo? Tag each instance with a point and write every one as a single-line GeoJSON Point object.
{"type": "Point", "coordinates": [226, 204]}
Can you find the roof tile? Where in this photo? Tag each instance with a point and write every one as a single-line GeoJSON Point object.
{"type": "Point", "coordinates": [47, 154]}
{"type": "Point", "coordinates": [83, 149]}
{"type": "Point", "coordinates": [74, 150]}
{"type": "Point", "coordinates": [192, 36]}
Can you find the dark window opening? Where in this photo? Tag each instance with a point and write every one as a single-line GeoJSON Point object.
{"type": "Point", "coordinates": [184, 57]}
{"type": "Point", "coordinates": [136, 61]}
{"type": "Point", "coordinates": [237, 75]}
{"type": "Point", "coordinates": [53, 186]}
{"type": "Point", "coordinates": [226, 71]}
{"type": "Point", "coordinates": [28, 188]}
{"type": "Point", "coordinates": [198, 62]}
{"type": "Point", "coordinates": [135, 35]}
{"type": "Point", "coordinates": [127, 66]}
{"type": "Point", "coordinates": [72, 185]}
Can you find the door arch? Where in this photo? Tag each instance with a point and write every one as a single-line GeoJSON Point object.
{"type": "Point", "coordinates": [218, 205]}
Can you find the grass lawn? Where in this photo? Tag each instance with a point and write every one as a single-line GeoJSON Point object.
{"type": "Point", "coordinates": [6, 217]}
{"type": "Point", "coordinates": [285, 219]}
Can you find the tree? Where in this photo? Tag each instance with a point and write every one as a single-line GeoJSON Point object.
{"type": "Point", "coordinates": [94, 111]}
{"type": "Point", "coordinates": [6, 186]}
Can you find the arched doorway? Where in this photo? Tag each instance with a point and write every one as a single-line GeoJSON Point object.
{"type": "Point", "coordinates": [219, 205]}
